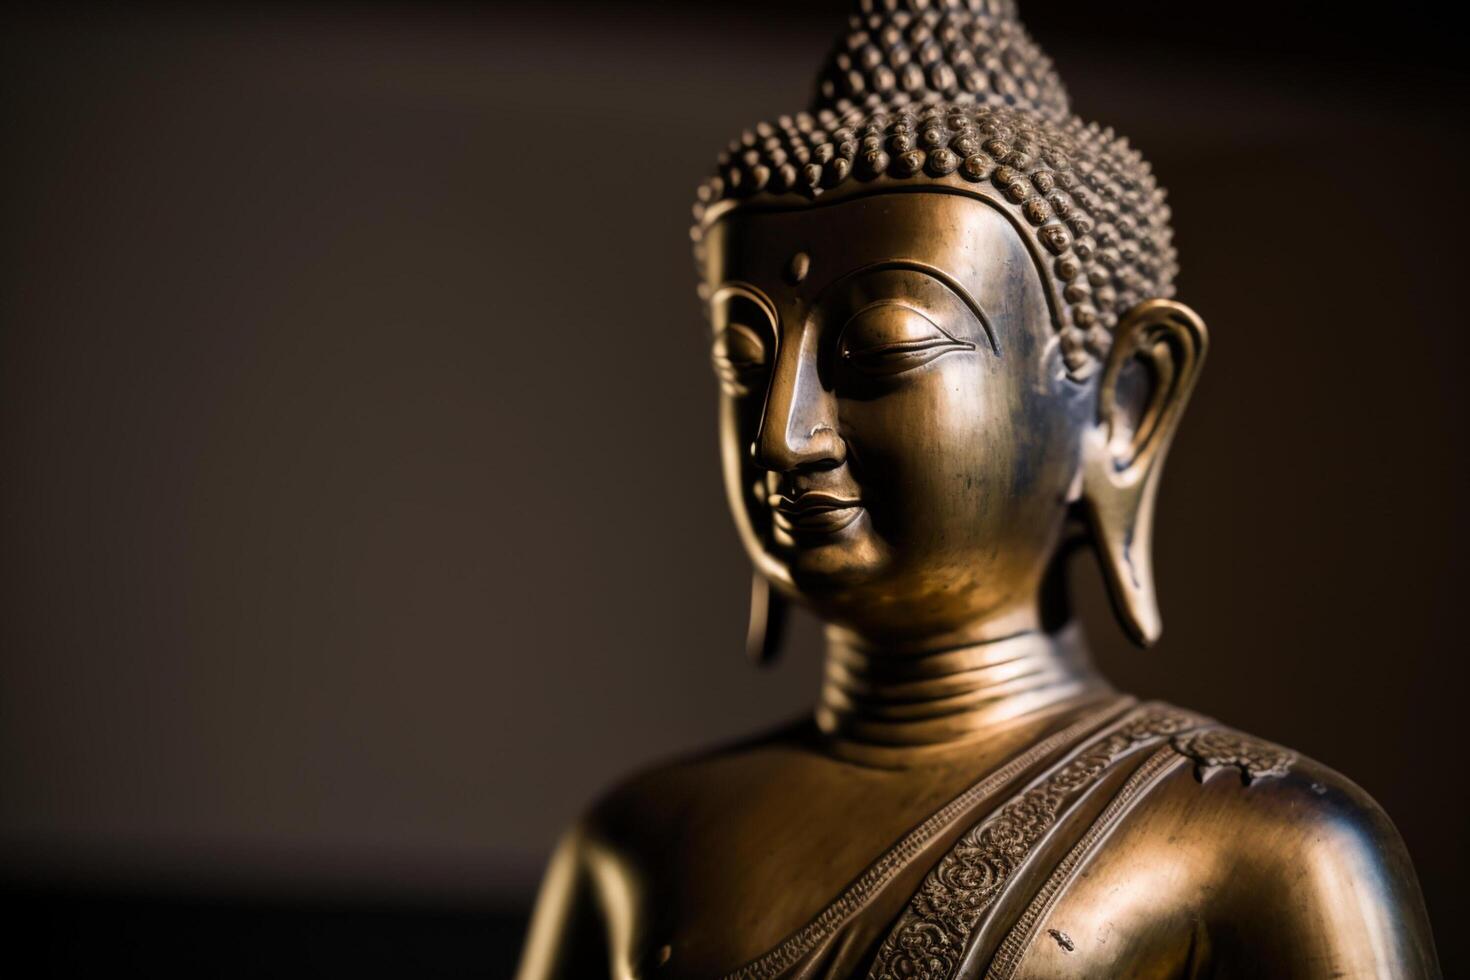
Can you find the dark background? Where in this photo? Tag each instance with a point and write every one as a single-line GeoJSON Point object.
{"type": "Point", "coordinates": [360, 515]}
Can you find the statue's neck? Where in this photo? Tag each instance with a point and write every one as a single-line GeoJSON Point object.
{"type": "Point", "coordinates": [883, 696]}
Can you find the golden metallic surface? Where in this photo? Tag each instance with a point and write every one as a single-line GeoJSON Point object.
{"type": "Point", "coordinates": [932, 391]}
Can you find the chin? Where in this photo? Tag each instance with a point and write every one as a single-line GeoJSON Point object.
{"type": "Point", "coordinates": [819, 565]}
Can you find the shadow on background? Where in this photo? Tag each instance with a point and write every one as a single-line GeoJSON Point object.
{"type": "Point", "coordinates": [361, 509]}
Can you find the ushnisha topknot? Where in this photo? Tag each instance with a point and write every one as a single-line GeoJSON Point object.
{"type": "Point", "coordinates": [955, 92]}
{"type": "Point", "coordinates": [956, 51]}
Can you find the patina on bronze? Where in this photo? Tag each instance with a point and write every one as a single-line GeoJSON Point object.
{"type": "Point", "coordinates": [947, 355]}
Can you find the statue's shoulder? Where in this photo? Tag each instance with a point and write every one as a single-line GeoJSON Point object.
{"type": "Point", "coordinates": [1268, 843]}
{"type": "Point", "coordinates": [627, 858]}
{"type": "Point", "coordinates": [1249, 856]}
{"type": "Point", "coordinates": [703, 787]}
{"type": "Point", "coordinates": [1236, 775]}
{"type": "Point", "coordinates": [1286, 828]}
{"type": "Point", "coordinates": [1242, 788]}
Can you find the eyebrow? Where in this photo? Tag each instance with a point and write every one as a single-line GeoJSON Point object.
{"type": "Point", "coordinates": [933, 272]}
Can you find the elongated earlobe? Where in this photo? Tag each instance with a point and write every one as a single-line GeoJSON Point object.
{"type": "Point", "coordinates": [1156, 355]}
{"type": "Point", "coordinates": [767, 621]}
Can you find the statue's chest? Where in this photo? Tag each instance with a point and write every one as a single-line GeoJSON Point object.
{"type": "Point", "coordinates": [1125, 935]}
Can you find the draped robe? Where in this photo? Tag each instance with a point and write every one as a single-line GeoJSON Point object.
{"type": "Point", "coordinates": [965, 893]}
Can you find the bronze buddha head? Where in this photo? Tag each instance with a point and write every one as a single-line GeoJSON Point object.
{"type": "Point", "coordinates": [943, 335]}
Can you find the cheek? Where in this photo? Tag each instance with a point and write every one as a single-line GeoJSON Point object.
{"type": "Point", "coordinates": [920, 448]}
{"type": "Point", "coordinates": [953, 457]}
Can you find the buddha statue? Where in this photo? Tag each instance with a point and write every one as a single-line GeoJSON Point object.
{"type": "Point", "coordinates": [948, 358]}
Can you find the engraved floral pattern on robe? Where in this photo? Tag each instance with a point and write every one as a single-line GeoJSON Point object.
{"type": "Point", "coordinates": [1219, 748]}
{"type": "Point", "coordinates": [929, 939]}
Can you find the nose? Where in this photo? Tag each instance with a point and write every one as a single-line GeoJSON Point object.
{"type": "Point", "coordinates": [798, 429]}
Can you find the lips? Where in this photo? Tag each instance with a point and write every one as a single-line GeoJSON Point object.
{"type": "Point", "coordinates": [814, 512]}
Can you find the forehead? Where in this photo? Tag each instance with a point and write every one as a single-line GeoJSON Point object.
{"type": "Point", "coordinates": [961, 236]}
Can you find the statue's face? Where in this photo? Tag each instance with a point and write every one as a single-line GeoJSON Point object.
{"type": "Point", "coordinates": [900, 442]}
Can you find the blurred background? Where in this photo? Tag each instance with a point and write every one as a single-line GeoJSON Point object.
{"type": "Point", "coordinates": [360, 517]}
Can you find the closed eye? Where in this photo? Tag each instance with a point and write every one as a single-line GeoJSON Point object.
{"type": "Point", "coordinates": [890, 337]}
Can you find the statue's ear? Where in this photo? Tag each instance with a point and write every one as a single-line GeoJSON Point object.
{"type": "Point", "coordinates": [767, 621]}
{"type": "Point", "coordinates": [1151, 368]}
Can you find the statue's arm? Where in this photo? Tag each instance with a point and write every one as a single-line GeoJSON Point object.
{"type": "Point", "coordinates": [567, 937]}
{"type": "Point", "coordinates": [1337, 897]}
